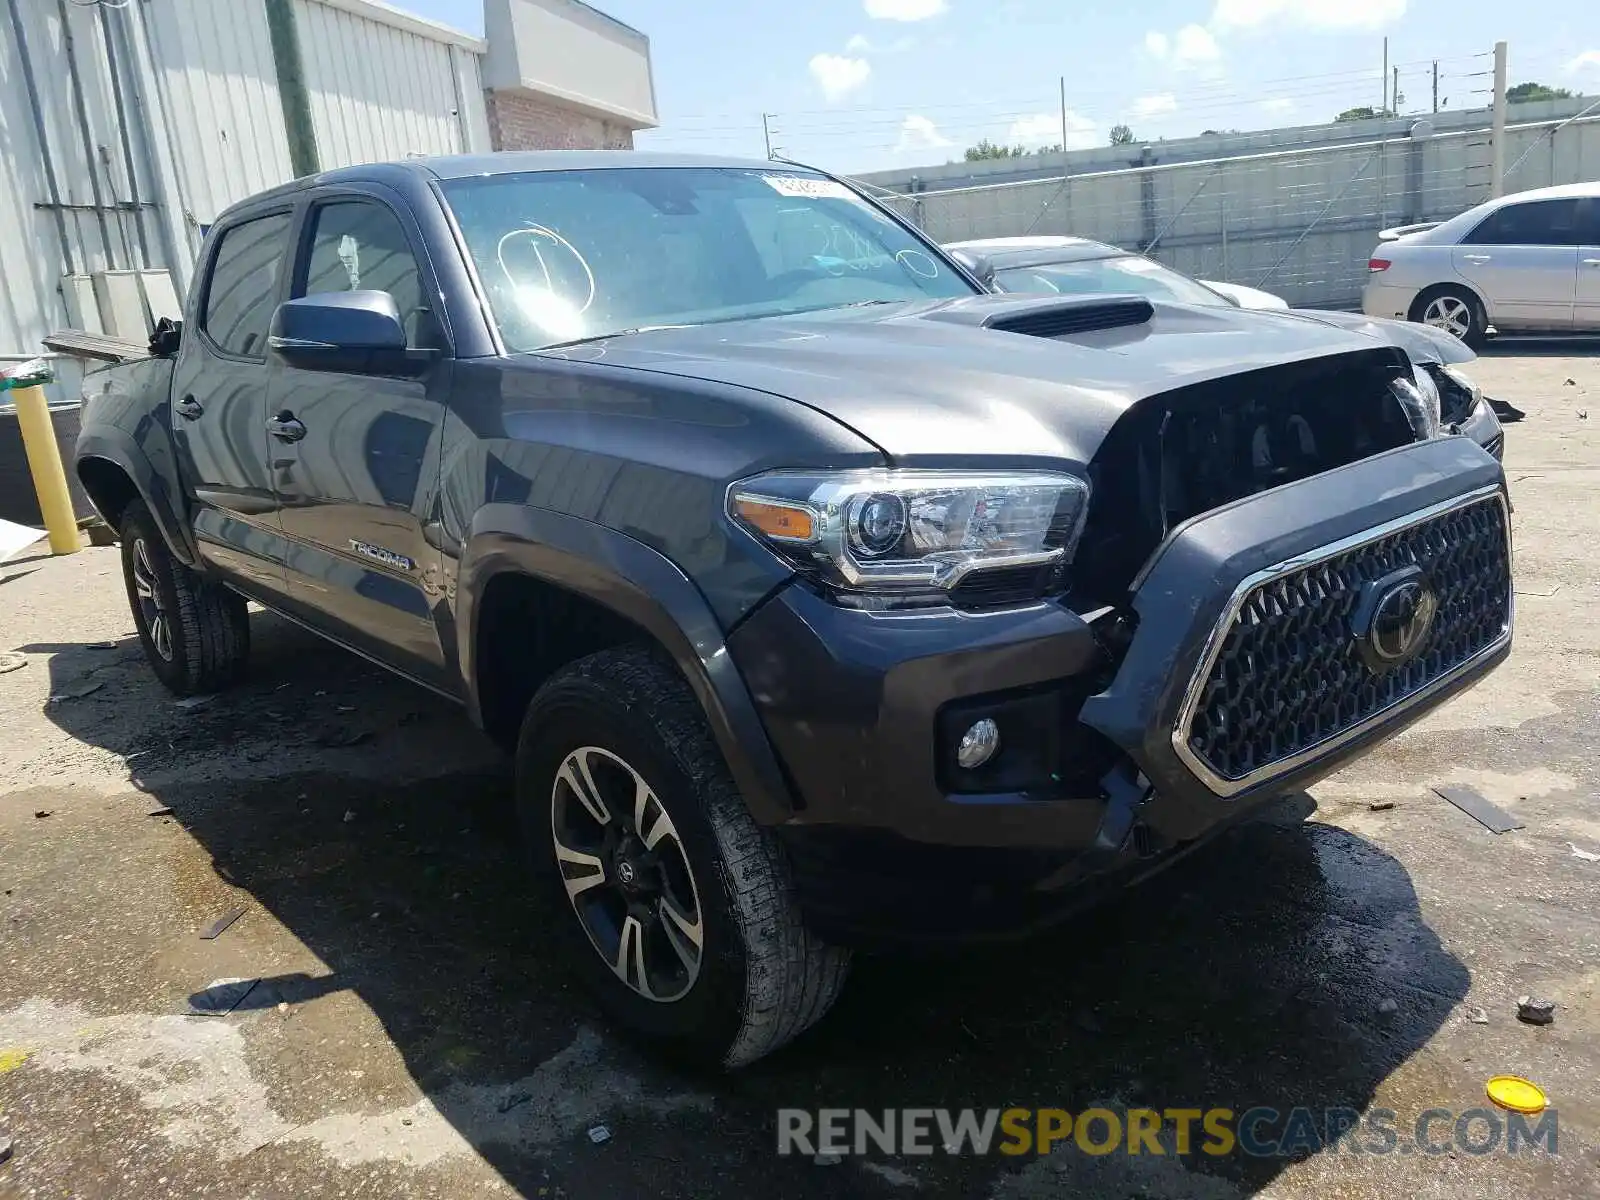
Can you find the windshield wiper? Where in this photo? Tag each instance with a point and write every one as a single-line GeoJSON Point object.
{"type": "Point", "coordinates": [600, 337]}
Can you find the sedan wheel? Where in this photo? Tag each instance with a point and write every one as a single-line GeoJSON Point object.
{"type": "Point", "coordinates": [626, 874]}
{"type": "Point", "coordinates": [1450, 313]}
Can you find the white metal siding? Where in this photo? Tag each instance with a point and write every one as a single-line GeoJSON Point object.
{"type": "Point", "coordinates": [377, 92]}
{"type": "Point", "coordinates": [220, 93]}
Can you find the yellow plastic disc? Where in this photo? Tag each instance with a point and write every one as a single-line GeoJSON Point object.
{"type": "Point", "coordinates": [1517, 1094]}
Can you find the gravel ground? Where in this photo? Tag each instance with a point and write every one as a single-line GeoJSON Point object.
{"type": "Point", "coordinates": [413, 1035]}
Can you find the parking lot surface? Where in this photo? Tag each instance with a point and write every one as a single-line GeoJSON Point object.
{"type": "Point", "coordinates": [413, 1034]}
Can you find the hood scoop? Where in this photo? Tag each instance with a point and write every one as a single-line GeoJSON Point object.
{"type": "Point", "coordinates": [1052, 316]}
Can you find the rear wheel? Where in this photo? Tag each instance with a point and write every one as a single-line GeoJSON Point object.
{"type": "Point", "coordinates": [676, 907]}
{"type": "Point", "coordinates": [195, 632]}
{"type": "Point", "coordinates": [1455, 311]}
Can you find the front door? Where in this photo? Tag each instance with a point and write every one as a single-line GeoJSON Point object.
{"type": "Point", "coordinates": [355, 457]}
{"type": "Point", "coordinates": [219, 401]}
{"type": "Point", "coordinates": [1523, 258]}
{"type": "Point", "coordinates": [1586, 311]}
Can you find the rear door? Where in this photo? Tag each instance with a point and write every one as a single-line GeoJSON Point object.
{"type": "Point", "coordinates": [357, 476]}
{"type": "Point", "coordinates": [1586, 310]}
{"type": "Point", "coordinates": [219, 397]}
{"type": "Point", "coordinates": [1523, 258]}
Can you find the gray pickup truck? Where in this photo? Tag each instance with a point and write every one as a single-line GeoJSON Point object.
{"type": "Point", "coordinates": [825, 600]}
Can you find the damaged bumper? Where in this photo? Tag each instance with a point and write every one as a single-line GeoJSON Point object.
{"type": "Point", "coordinates": [1267, 643]}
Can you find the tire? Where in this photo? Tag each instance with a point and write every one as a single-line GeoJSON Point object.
{"type": "Point", "coordinates": [1435, 306]}
{"type": "Point", "coordinates": [759, 976]}
{"type": "Point", "coordinates": [195, 632]}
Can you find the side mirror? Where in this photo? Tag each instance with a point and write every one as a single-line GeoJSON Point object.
{"type": "Point", "coordinates": [354, 332]}
{"type": "Point", "coordinates": [976, 265]}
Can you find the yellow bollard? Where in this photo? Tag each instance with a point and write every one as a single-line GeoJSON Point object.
{"type": "Point", "coordinates": [49, 477]}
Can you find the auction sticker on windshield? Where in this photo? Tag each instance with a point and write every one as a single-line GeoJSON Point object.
{"type": "Point", "coordinates": [801, 185]}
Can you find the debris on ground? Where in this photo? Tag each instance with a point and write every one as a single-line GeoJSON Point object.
{"type": "Point", "coordinates": [1583, 414]}
{"type": "Point", "coordinates": [1380, 806]}
{"type": "Point", "coordinates": [1570, 382]}
{"type": "Point", "coordinates": [1516, 1094]}
{"type": "Point", "coordinates": [338, 739]}
{"type": "Point", "coordinates": [599, 1134]}
{"type": "Point", "coordinates": [1478, 1016]}
{"type": "Point", "coordinates": [221, 997]}
{"type": "Point", "coordinates": [40, 814]}
{"type": "Point", "coordinates": [215, 929]}
{"type": "Point", "coordinates": [12, 662]}
{"type": "Point", "coordinates": [1491, 817]}
{"type": "Point", "coordinates": [100, 646]}
{"type": "Point", "coordinates": [1387, 1007]}
{"type": "Point", "coordinates": [1585, 855]}
{"type": "Point", "coordinates": [78, 693]}
{"type": "Point", "coordinates": [195, 701]}
{"type": "Point", "coordinates": [349, 815]}
{"type": "Point", "coordinates": [828, 1160]}
{"type": "Point", "coordinates": [5, 1149]}
{"type": "Point", "coordinates": [1535, 1011]}
{"type": "Point", "coordinates": [163, 810]}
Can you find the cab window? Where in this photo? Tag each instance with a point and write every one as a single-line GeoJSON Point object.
{"type": "Point", "coordinates": [243, 290]}
{"type": "Point", "coordinates": [360, 245]}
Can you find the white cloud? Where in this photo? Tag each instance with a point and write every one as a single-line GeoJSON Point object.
{"type": "Point", "coordinates": [1191, 47]}
{"type": "Point", "coordinates": [1044, 129]}
{"type": "Point", "coordinates": [1158, 105]}
{"type": "Point", "coordinates": [838, 75]}
{"type": "Point", "coordinates": [919, 133]}
{"type": "Point", "coordinates": [904, 10]}
{"type": "Point", "coordinates": [1278, 106]}
{"type": "Point", "coordinates": [857, 45]}
{"type": "Point", "coordinates": [1333, 15]}
{"type": "Point", "coordinates": [1589, 58]}
{"type": "Point", "coordinates": [1195, 46]}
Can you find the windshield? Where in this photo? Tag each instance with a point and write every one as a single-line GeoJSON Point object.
{"type": "Point", "coordinates": [571, 255]}
{"type": "Point", "coordinates": [1124, 273]}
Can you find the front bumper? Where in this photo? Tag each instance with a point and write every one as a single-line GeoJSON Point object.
{"type": "Point", "coordinates": [864, 708]}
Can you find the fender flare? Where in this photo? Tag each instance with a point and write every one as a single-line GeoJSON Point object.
{"type": "Point", "coordinates": [643, 586]}
{"type": "Point", "coordinates": [162, 496]}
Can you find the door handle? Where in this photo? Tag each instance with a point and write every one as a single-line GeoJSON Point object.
{"type": "Point", "coordinates": [1591, 262]}
{"type": "Point", "coordinates": [1476, 258]}
{"type": "Point", "coordinates": [189, 407]}
{"type": "Point", "coordinates": [286, 427]}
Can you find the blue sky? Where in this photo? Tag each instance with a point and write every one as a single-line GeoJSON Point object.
{"type": "Point", "coordinates": [857, 85]}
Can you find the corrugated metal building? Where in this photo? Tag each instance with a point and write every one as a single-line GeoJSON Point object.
{"type": "Point", "coordinates": [126, 126]}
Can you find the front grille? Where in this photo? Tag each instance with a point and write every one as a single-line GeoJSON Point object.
{"type": "Point", "coordinates": [1286, 675]}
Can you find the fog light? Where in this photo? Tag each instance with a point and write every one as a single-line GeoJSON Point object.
{"type": "Point", "coordinates": [978, 744]}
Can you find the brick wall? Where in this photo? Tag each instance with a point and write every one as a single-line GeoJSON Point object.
{"type": "Point", "coordinates": [518, 122]}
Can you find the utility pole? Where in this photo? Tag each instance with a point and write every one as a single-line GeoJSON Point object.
{"type": "Point", "coordinates": [1384, 111]}
{"type": "Point", "coordinates": [1436, 87]}
{"type": "Point", "coordinates": [766, 132]}
{"type": "Point", "coordinates": [1063, 118]}
{"type": "Point", "coordinates": [1394, 93]}
{"type": "Point", "coordinates": [1497, 132]}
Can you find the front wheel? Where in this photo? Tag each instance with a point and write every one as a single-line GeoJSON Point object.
{"type": "Point", "coordinates": [1453, 310]}
{"type": "Point", "coordinates": [676, 907]}
{"type": "Point", "coordinates": [195, 632]}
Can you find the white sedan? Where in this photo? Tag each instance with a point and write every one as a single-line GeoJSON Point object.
{"type": "Point", "coordinates": [1526, 263]}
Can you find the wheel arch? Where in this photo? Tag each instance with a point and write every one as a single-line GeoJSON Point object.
{"type": "Point", "coordinates": [114, 472]}
{"type": "Point", "coordinates": [612, 588]}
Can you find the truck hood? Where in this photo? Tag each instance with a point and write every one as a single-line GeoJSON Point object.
{"type": "Point", "coordinates": [1422, 343]}
{"type": "Point", "coordinates": [929, 383]}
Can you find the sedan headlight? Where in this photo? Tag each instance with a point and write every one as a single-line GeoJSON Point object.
{"type": "Point", "coordinates": [909, 530]}
{"type": "Point", "coordinates": [1419, 397]}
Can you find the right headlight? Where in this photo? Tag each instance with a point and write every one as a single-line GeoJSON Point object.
{"type": "Point", "coordinates": [908, 531]}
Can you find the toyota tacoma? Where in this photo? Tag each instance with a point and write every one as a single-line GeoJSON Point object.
{"type": "Point", "coordinates": [824, 599]}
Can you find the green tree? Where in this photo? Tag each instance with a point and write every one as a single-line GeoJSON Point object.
{"type": "Point", "coordinates": [986, 150]}
{"type": "Point", "coordinates": [1121, 135]}
{"type": "Point", "coordinates": [1536, 91]}
{"type": "Point", "coordinates": [1364, 113]}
